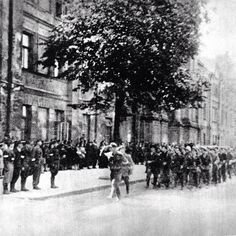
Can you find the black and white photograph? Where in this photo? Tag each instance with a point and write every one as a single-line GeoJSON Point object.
{"type": "Point", "coordinates": [118, 117]}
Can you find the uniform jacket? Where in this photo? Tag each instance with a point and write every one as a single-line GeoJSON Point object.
{"type": "Point", "coordinates": [37, 154]}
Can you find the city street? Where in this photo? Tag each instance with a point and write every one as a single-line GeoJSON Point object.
{"type": "Point", "coordinates": [95, 92]}
{"type": "Point", "coordinates": [207, 211]}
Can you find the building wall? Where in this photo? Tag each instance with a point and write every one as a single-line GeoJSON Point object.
{"type": "Point", "coordinates": [45, 97]}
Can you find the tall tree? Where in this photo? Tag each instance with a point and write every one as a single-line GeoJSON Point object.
{"type": "Point", "coordinates": [136, 50]}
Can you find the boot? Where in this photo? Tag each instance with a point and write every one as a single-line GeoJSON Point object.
{"type": "Point", "coordinates": [53, 183]}
{"type": "Point", "coordinates": [5, 189]}
{"type": "Point", "coordinates": [127, 189]}
{"type": "Point", "coordinates": [13, 190]}
{"type": "Point", "coordinates": [111, 193]}
{"type": "Point", "coordinates": [23, 188]}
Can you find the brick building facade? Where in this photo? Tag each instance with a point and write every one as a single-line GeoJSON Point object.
{"type": "Point", "coordinates": [213, 124]}
{"type": "Point", "coordinates": [40, 103]}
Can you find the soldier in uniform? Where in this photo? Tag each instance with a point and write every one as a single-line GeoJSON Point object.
{"type": "Point", "coordinates": [193, 166]}
{"type": "Point", "coordinates": [189, 163]}
{"type": "Point", "coordinates": [166, 162]}
{"type": "Point", "coordinates": [9, 157]}
{"type": "Point", "coordinates": [229, 157]}
{"type": "Point", "coordinates": [37, 157]}
{"type": "Point", "coordinates": [54, 163]}
{"type": "Point", "coordinates": [26, 164]}
{"type": "Point", "coordinates": [223, 160]}
{"type": "Point", "coordinates": [151, 166]}
{"type": "Point", "coordinates": [1, 161]}
{"type": "Point", "coordinates": [17, 165]}
{"type": "Point", "coordinates": [116, 162]}
{"type": "Point", "coordinates": [178, 165]}
{"type": "Point", "coordinates": [215, 163]}
{"type": "Point", "coordinates": [205, 166]}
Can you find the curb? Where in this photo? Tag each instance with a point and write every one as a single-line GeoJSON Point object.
{"type": "Point", "coordinates": [81, 191]}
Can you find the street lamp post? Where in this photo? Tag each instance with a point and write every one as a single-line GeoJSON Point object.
{"type": "Point", "coordinates": [9, 69]}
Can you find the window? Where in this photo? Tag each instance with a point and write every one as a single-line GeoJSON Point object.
{"type": "Point", "coordinates": [194, 115]}
{"type": "Point", "coordinates": [87, 126]}
{"type": "Point", "coordinates": [204, 111]}
{"type": "Point", "coordinates": [59, 125]}
{"type": "Point", "coordinates": [204, 139]}
{"type": "Point", "coordinates": [43, 123]}
{"type": "Point", "coordinates": [45, 4]}
{"type": "Point", "coordinates": [215, 114]}
{"type": "Point", "coordinates": [26, 51]}
{"type": "Point", "coordinates": [58, 8]}
{"type": "Point", "coordinates": [26, 122]}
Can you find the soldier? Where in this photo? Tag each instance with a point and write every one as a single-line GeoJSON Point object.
{"type": "Point", "coordinates": [1, 161]}
{"type": "Point", "coordinates": [63, 153]}
{"type": "Point", "coordinates": [178, 167]}
{"type": "Point", "coordinates": [205, 166]}
{"type": "Point", "coordinates": [54, 162]}
{"type": "Point", "coordinates": [151, 166]}
{"type": "Point", "coordinates": [17, 165]}
{"type": "Point", "coordinates": [116, 162]}
{"type": "Point", "coordinates": [189, 163]}
{"type": "Point", "coordinates": [222, 170]}
{"type": "Point", "coordinates": [37, 155]}
{"type": "Point", "coordinates": [128, 168]}
{"type": "Point", "coordinates": [166, 162]}
{"type": "Point", "coordinates": [215, 163]}
{"type": "Point", "coordinates": [26, 164]}
{"type": "Point", "coordinates": [229, 157]}
{"type": "Point", "coordinates": [9, 158]}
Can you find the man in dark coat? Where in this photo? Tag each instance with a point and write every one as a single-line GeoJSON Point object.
{"type": "Point", "coordinates": [89, 154]}
{"type": "Point", "coordinates": [37, 160]}
{"type": "Point", "coordinates": [205, 166]}
{"type": "Point", "coordinates": [8, 158]}
{"type": "Point", "coordinates": [178, 167]}
{"type": "Point", "coordinates": [94, 153]}
{"type": "Point", "coordinates": [166, 163]}
{"type": "Point", "coordinates": [54, 162]}
{"type": "Point", "coordinates": [152, 166]}
{"type": "Point", "coordinates": [17, 165]}
{"type": "Point", "coordinates": [26, 170]}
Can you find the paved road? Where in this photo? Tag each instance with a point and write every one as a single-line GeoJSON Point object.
{"type": "Point", "coordinates": [208, 211]}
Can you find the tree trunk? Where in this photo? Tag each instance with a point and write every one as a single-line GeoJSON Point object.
{"type": "Point", "coordinates": [134, 124]}
{"type": "Point", "coordinates": [118, 112]}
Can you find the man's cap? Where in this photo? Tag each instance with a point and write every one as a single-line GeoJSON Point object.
{"type": "Point", "coordinates": [188, 148]}
{"type": "Point", "coordinates": [113, 145]}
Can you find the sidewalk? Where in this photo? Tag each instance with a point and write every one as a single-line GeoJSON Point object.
{"type": "Point", "coordinates": [71, 182]}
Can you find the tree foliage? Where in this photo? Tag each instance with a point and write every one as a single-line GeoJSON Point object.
{"type": "Point", "coordinates": [136, 50]}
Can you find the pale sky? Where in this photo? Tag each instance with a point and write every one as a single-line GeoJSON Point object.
{"type": "Point", "coordinates": [219, 35]}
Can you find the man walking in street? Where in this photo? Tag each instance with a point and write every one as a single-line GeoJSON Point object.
{"type": "Point", "coordinates": [151, 167]}
{"type": "Point", "coordinates": [9, 158]}
{"type": "Point", "coordinates": [37, 157]}
{"type": "Point", "coordinates": [116, 162]}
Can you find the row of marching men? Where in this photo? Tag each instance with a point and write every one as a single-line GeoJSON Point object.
{"type": "Point", "coordinates": [22, 159]}
{"type": "Point", "coordinates": [190, 166]}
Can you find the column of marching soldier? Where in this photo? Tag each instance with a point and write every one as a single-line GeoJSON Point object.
{"type": "Point", "coordinates": [169, 165]}
{"type": "Point", "coordinates": [189, 165]}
